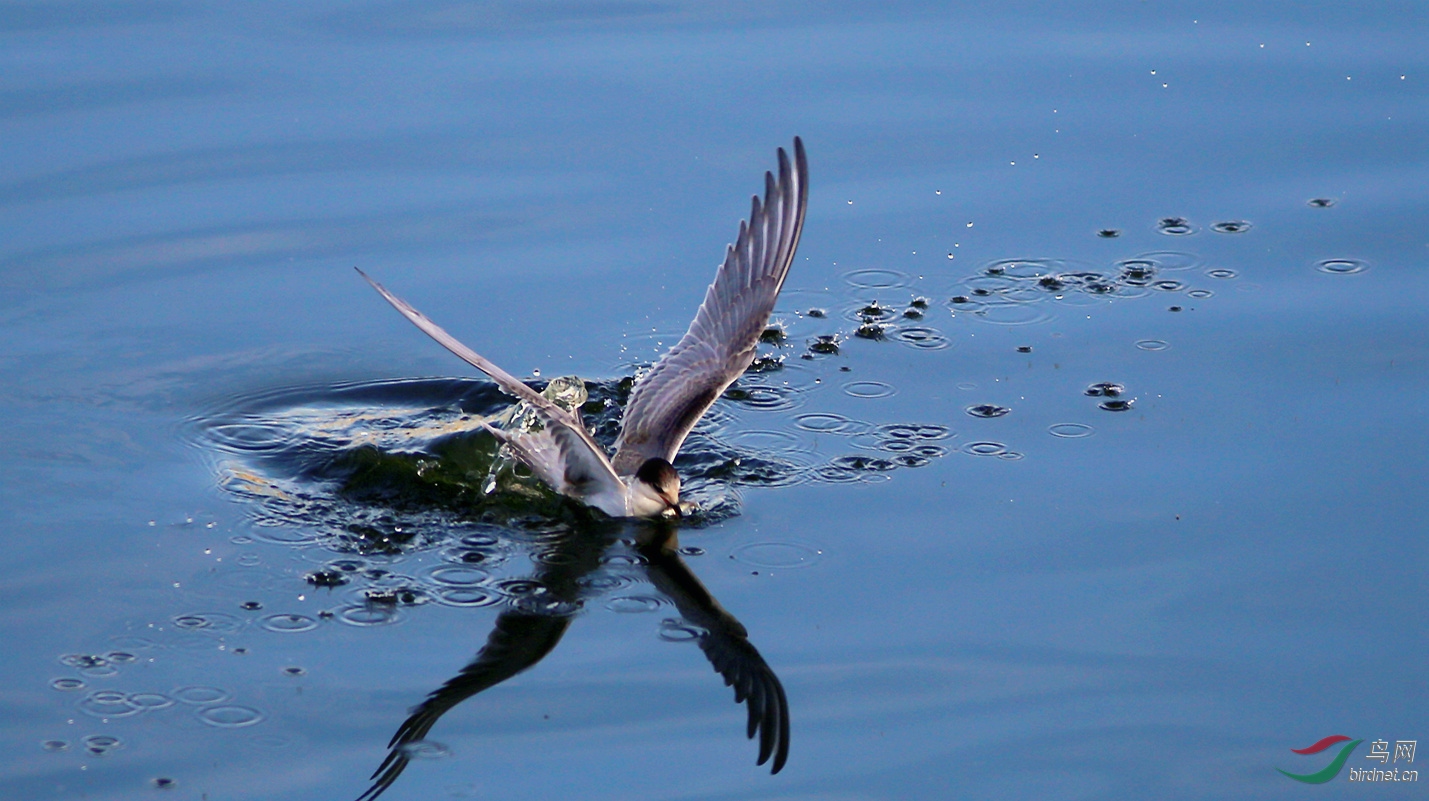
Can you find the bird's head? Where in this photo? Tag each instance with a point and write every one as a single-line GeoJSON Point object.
{"type": "Point", "coordinates": [656, 489]}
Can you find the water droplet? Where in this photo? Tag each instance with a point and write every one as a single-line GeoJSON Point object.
{"type": "Point", "coordinates": [1024, 348]}
{"type": "Point", "coordinates": [294, 671]}
{"type": "Point", "coordinates": [368, 615]}
{"type": "Point", "coordinates": [987, 410]}
{"type": "Point", "coordinates": [1168, 286]}
{"type": "Point", "coordinates": [1153, 344]}
{"type": "Point", "coordinates": [164, 783]}
{"type": "Point", "coordinates": [1200, 294]}
{"type": "Point", "coordinates": [1119, 405]}
{"type": "Point", "coordinates": [1070, 430]}
{"type": "Point", "coordinates": [326, 578]}
{"type": "Point", "coordinates": [1105, 388]}
{"type": "Point", "coordinates": [456, 575]}
{"type": "Point", "coordinates": [922, 337]}
{"type": "Point", "coordinates": [1175, 226]}
{"type": "Point", "coordinates": [230, 717]}
{"type": "Point", "coordinates": [1108, 233]}
{"type": "Point", "coordinates": [101, 744]}
{"type": "Point", "coordinates": [1231, 227]}
{"type": "Point", "coordinates": [251, 606]}
{"type": "Point", "coordinates": [817, 314]}
{"type": "Point", "coordinates": [1342, 266]}
{"type": "Point", "coordinates": [55, 745]}
{"type": "Point", "coordinates": [1322, 202]}
{"type": "Point", "coordinates": [1221, 273]}
{"type": "Point", "coordinates": [67, 685]}
{"type": "Point", "coordinates": [675, 630]}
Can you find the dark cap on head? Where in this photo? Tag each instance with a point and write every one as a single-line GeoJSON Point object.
{"type": "Point", "coordinates": [661, 475]}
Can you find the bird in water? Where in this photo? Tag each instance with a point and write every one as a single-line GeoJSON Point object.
{"type": "Point", "coordinates": [667, 401]}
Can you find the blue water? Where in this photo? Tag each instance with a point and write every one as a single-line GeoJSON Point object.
{"type": "Point", "coordinates": [1057, 602]}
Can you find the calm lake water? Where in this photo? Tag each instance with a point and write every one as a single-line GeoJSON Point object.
{"type": "Point", "coordinates": [243, 502]}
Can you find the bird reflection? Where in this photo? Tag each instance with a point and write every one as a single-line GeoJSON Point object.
{"type": "Point", "coordinates": [533, 627]}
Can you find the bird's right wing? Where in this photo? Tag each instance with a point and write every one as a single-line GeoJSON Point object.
{"type": "Point", "coordinates": [578, 465]}
{"type": "Point", "coordinates": [671, 398]}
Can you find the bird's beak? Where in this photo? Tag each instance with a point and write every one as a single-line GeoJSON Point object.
{"type": "Point", "coordinates": [673, 511]}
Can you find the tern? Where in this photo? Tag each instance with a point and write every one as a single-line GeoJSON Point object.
{"type": "Point", "coordinates": [670, 399]}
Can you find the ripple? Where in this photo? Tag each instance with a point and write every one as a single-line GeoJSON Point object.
{"type": "Point", "coordinates": [923, 431]}
{"type": "Point", "coordinates": [368, 614]}
{"type": "Point", "coordinates": [1175, 226]}
{"type": "Point", "coordinates": [230, 717]}
{"type": "Point", "coordinates": [467, 596]}
{"type": "Point", "coordinates": [1011, 314]}
{"type": "Point", "coordinates": [108, 704]}
{"type": "Point", "coordinates": [633, 604]}
{"type": "Point", "coordinates": [836, 474]}
{"type": "Point", "coordinates": [675, 630]}
{"type": "Point", "coordinates": [784, 555]}
{"type": "Point", "coordinates": [869, 389]}
{"type": "Point", "coordinates": [824, 423]}
{"type": "Point", "coordinates": [200, 695]}
{"type": "Point", "coordinates": [1168, 286]}
{"type": "Point", "coordinates": [218, 622]}
{"type": "Point", "coordinates": [922, 337]}
{"type": "Point", "coordinates": [456, 575]}
{"type": "Point", "coordinates": [101, 744]}
{"type": "Point", "coordinates": [1342, 266]}
{"type": "Point", "coordinates": [1200, 294]}
{"type": "Point", "coordinates": [766, 441]}
{"type": "Point", "coordinates": [1071, 430]}
{"type": "Point", "coordinates": [987, 410]}
{"type": "Point", "coordinates": [147, 701]}
{"type": "Point", "coordinates": [1153, 344]}
{"type": "Point", "coordinates": [1010, 456]}
{"type": "Point", "coordinates": [877, 279]}
{"type": "Point", "coordinates": [55, 745]}
{"type": "Point", "coordinates": [1170, 259]}
{"type": "Point", "coordinates": [1321, 202]}
{"type": "Point", "coordinates": [283, 535]}
{"type": "Point", "coordinates": [1231, 227]}
{"type": "Point", "coordinates": [985, 448]}
{"type": "Point", "coordinates": [68, 685]}
{"type": "Point", "coordinates": [1221, 273]}
{"type": "Point", "coordinates": [424, 749]}
{"type": "Point", "coordinates": [1104, 389]}
{"type": "Point", "coordinates": [288, 622]}
{"type": "Point", "coordinates": [765, 398]}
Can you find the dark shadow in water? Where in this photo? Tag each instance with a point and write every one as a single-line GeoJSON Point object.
{"type": "Point", "coordinates": [527, 632]}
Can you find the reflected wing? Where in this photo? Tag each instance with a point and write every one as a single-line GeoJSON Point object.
{"type": "Point", "coordinates": [726, 644]}
{"type": "Point", "coordinates": [519, 641]}
{"type": "Point", "coordinates": [671, 398]}
{"type": "Point", "coordinates": [575, 465]}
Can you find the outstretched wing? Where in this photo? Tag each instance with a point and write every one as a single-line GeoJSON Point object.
{"type": "Point", "coordinates": [576, 465]}
{"type": "Point", "coordinates": [671, 398]}
{"type": "Point", "coordinates": [519, 641]}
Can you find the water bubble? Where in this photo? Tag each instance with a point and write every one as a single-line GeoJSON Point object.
{"type": "Point", "coordinates": [1173, 308]}
{"type": "Point", "coordinates": [1024, 348]}
{"type": "Point", "coordinates": [1108, 233]}
{"type": "Point", "coordinates": [164, 783]}
{"type": "Point", "coordinates": [55, 745]}
{"type": "Point", "coordinates": [200, 695]}
{"type": "Point", "coordinates": [1119, 405]}
{"type": "Point", "coordinates": [230, 717]}
{"type": "Point", "coordinates": [1105, 388]}
{"type": "Point", "coordinates": [294, 671]}
{"type": "Point", "coordinates": [481, 540]}
{"type": "Point", "coordinates": [633, 604]}
{"type": "Point", "coordinates": [877, 279]}
{"type": "Point", "coordinates": [1231, 227]}
{"type": "Point", "coordinates": [326, 578]}
{"type": "Point", "coordinates": [288, 622]}
{"type": "Point", "coordinates": [868, 389]}
{"type": "Point", "coordinates": [67, 685]}
{"type": "Point", "coordinates": [1070, 430]}
{"type": "Point", "coordinates": [1321, 202]}
{"type": "Point", "coordinates": [84, 661]}
{"type": "Point", "coordinates": [826, 344]}
{"type": "Point", "coordinates": [874, 331]}
{"type": "Point", "coordinates": [987, 410]}
{"type": "Point", "coordinates": [1342, 266]}
{"type": "Point", "coordinates": [692, 550]}
{"type": "Point", "coordinates": [783, 555]}
{"type": "Point", "coordinates": [250, 606]}
{"type": "Point", "coordinates": [1153, 344]}
{"type": "Point", "coordinates": [984, 448]}
{"type": "Point", "coordinates": [817, 314]}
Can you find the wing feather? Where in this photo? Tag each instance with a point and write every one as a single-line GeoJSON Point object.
{"type": "Point", "coordinates": [720, 343]}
